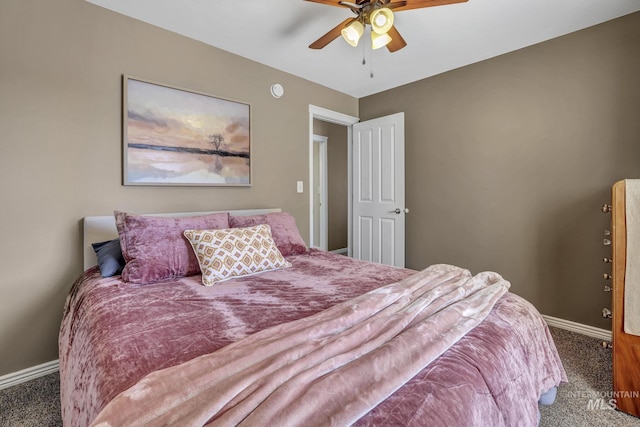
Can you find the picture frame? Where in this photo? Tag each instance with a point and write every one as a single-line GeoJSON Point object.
{"type": "Point", "coordinates": [179, 137]}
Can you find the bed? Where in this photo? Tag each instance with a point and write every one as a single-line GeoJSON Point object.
{"type": "Point", "coordinates": [130, 351]}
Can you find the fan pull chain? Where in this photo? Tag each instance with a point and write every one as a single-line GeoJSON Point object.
{"type": "Point", "coordinates": [364, 60]}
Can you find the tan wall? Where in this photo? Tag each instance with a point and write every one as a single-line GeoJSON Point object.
{"type": "Point", "coordinates": [337, 160]}
{"type": "Point", "coordinates": [509, 160]}
{"type": "Point", "coordinates": [337, 194]}
{"type": "Point", "coordinates": [60, 113]}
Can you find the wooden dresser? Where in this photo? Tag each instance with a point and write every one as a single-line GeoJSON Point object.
{"type": "Point", "coordinates": [626, 347]}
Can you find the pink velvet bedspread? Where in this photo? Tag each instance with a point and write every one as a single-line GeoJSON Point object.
{"type": "Point", "coordinates": [114, 333]}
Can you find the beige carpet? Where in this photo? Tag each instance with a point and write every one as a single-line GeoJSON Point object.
{"type": "Point", "coordinates": [588, 367]}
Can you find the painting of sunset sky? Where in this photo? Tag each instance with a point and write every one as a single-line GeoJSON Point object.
{"type": "Point", "coordinates": [177, 137]}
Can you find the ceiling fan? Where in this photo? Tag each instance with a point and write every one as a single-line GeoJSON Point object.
{"type": "Point", "coordinates": [379, 15]}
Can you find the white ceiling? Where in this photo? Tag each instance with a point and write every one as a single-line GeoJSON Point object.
{"type": "Point", "coordinates": [277, 33]}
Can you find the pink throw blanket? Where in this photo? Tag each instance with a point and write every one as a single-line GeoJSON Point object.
{"type": "Point", "coordinates": [330, 368]}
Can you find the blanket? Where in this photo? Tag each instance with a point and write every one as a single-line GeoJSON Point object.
{"type": "Point", "coordinates": [327, 369]}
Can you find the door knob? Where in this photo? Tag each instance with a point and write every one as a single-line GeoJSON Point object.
{"type": "Point", "coordinates": [398, 211]}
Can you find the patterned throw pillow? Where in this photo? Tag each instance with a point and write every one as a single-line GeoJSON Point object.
{"type": "Point", "coordinates": [235, 252]}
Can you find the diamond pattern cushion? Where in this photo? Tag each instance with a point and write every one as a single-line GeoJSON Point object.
{"type": "Point", "coordinates": [235, 252]}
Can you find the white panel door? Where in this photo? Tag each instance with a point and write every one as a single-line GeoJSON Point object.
{"type": "Point", "coordinates": [378, 211]}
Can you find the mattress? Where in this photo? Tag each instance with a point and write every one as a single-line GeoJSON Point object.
{"type": "Point", "coordinates": [114, 334]}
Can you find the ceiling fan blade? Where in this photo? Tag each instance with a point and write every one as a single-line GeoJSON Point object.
{"type": "Point", "coordinates": [395, 4]}
{"type": "Point", "coordinates": [331, 35]}
{"type": "Point", "coordinates": [350, 5]}
{"type": "Point", "coordinates": [397, 42]}
{"type": "Point", "coordinates": [329, 2]}
{"type": "Point", "coordinates": [417, 4]}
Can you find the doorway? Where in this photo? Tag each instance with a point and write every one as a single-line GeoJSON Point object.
{"type": "Point", "coordinates": [315, 211]}
{"type": "Point", "coordinates": [377, 157]}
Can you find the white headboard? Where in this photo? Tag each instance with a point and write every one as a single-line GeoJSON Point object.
{"type": "Point", "coordinates": [101, 228]}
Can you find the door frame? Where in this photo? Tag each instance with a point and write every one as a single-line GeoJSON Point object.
{"type": "Point", "coordinates": [335, 117]}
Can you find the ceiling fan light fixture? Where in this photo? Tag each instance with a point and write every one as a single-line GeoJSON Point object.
{"type": "Point", "coordinates": [381, 20]}
{"type": "Point", "coordinates": [352, 33]}
{"type": "Point", "coordinates": [379, 40]}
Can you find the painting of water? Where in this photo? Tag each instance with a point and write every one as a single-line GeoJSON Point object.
{"type": "Point", "coordinates": [173, 136]}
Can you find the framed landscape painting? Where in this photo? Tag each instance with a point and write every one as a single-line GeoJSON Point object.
{"type": "Point", "coordinates": [173, 136]}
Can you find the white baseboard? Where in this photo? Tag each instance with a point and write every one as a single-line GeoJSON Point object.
{"type": "Point", "coordinates": [28, 374]}
{"type": "Point", "coordinates": [342, 251]}
{"type": "Point", "coordinates": [579, 328]}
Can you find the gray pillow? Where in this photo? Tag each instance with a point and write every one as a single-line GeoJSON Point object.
{"type": "Point", "coordinates": [110, 258]}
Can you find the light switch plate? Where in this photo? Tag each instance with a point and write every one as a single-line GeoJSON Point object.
{"type": "Point", "coordinates": [300, 186]}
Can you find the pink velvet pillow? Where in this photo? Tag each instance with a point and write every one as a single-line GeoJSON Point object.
{"type": "Point", "coordinates": [155, 248]}
{"type": "Point", "coordinates": [283, 229]}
